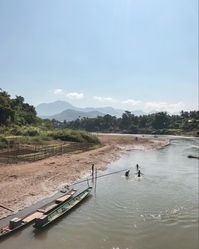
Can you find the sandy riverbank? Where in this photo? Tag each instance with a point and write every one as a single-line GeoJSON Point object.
{"type": "Point", "coordinates": [23, 184]}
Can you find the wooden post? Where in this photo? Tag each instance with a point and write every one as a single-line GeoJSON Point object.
{"type": "Point", "coordinates": [92, 172]}
{"type": "Point", "coordinates": [95, 180]}
{"type": "Point", "coordinates": [8, 146]}
{"type": "Point", "coordinates": [34, 154]}
{"type": "Point", "coordinates": [16, 151]}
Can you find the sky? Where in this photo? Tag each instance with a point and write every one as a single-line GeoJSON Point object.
{"type": "Point", "coordinates": [129, 54]}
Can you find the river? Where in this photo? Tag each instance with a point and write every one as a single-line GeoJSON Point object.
{"type": "Point", "coordinates": [158, 211]}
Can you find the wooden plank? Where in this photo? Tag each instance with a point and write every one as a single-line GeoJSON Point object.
{"type": "Point", "coordinates": [33, 216]}
{"type": "Point", "coordinates": [48, 208]}
{"type": "Point", "coordinates": [65, 197]}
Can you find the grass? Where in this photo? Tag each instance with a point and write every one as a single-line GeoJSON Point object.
{"type": "Point", "coordinates": [9, 136]}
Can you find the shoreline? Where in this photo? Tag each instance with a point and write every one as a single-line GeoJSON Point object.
{"type": "Point", "coordinates": [25, 184]}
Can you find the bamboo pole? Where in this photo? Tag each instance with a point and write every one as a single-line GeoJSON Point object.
{"type": "Point", "coordinates": [92, 172]}
{"type": "Point", "coordinates": [95, 180]}
{"type": "Point", "coordinates": [6, 208]}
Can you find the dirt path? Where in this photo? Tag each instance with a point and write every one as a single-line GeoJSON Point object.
{"type": "Point", "coordinates": [23, 184]}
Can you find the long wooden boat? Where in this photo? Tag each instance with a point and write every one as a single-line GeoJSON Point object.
{"type": "Point", "coordinates": [47, 219]}
{"type": "Point", "coordinates": [17, 224]}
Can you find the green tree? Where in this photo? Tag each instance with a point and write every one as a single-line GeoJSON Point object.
{"type": "Point", "coordinates": [160, 120]}
{"type": "Point", "coordinates": [6, 112]}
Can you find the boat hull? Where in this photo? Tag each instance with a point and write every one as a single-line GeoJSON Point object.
{"type": "Point", "coordinates": [27, 220]}
{"type": "Point", "coordinates": [64, 209]}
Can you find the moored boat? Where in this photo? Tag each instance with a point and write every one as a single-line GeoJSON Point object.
{"type": "Point", "coordinates": [47, 219]}
{"type": "Point", "coordinates": [17, 224]}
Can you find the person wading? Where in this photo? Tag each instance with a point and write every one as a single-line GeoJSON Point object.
{"type": "Point", "coordinates": [127, 173]}
{"type": "Point", "coordinates": [139, 173]}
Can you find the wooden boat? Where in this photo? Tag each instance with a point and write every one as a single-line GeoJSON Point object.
{"type": "Point", "coordinates": [49, 218]}
{"type": "Point", "coordinates": [17, 224]}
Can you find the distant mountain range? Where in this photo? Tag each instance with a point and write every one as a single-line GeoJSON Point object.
{"type": "Point", "coordinates": [62, 110]}
{"type": "Point", "coordinates": [70, 115]}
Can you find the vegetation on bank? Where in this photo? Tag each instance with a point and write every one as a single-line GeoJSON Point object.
{"type": "Point", "coordinates": [187, 123]}
{"type": "Point", "coordinates": [19, 124]}
{"type": "Point", "coordinates": [35, 135]}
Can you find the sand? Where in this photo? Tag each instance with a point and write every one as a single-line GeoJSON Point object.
{"type": "Point", "coordinates": [23, 184]}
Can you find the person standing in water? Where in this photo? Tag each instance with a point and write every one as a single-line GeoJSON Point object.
{"type": "Point", "coordinates": [139, 173]}
{"type": "Point", "coordinates": [127, 173]}
{"type": "Point", "coordinates": [137, 167]}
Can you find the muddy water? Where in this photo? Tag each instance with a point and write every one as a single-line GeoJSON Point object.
{"type": "Point", "coordinates": [158, 211]}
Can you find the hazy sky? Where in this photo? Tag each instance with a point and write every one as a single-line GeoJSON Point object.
{"type": "Point", "coordinates": [135, 54]}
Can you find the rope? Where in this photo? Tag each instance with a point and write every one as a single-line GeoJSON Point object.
{"type": "Point", "coordinates": [99, 176]}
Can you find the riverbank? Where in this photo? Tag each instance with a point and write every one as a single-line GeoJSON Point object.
{"type": "Point", "coordinates": [26, 183]}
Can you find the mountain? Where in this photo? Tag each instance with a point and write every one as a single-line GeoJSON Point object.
{"type": "Point", "coordinates": [70, 115]}
{"type": "Point", "coordinates": [62, 110]}
{"type": "Point", "coordinates": [48, 109]}
{"type": "Point", "coordinates": [106, 110]}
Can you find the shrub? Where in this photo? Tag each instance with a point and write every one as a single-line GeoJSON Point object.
{"type": "Point", "coordinates": [3, 143]}
{"type": "Point", "coordinates": [74, 136]}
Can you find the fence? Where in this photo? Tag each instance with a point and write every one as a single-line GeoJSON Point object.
{"type": "Point", "coordinates": [22, 152]}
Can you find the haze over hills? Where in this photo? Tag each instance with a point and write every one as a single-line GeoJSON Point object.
{"type": "Point", "coordinates": [70, 115]}
{"type": "Point", "coordinates": [62, 110]}
{"type": "Point", "coordinates": [49, 109]}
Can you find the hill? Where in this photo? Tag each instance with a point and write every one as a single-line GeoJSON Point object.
{"type": "Point", "coordinates": [49, 109]}
{"type": "Point", "coordinates": [55, 110]}
{"type": "Point", "coordinates": [70, 115]}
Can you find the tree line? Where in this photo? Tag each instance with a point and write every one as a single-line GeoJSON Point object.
{"type": "Point", "coordinates": [15, 111]}
{"type": "Point", "coordinates": [156, 123]}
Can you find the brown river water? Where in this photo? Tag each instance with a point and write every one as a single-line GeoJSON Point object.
{"type": "Point", "coordinates": [158, 211]}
